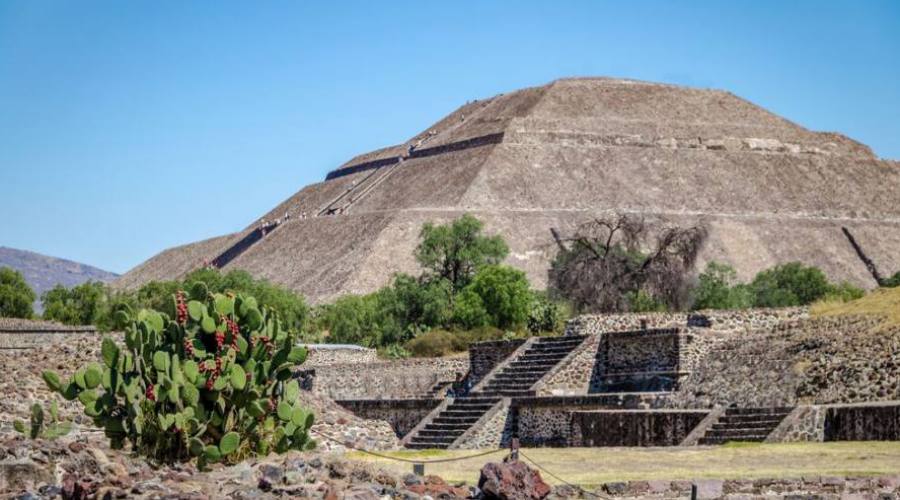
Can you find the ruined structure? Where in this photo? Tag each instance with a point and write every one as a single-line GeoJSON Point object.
{"type": "Point", "coordinates": [550, 157]}
{"type": "Point", "coordinates": [660, 379]}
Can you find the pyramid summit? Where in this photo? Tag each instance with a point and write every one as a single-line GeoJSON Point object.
{"type": "Point", "coordinates": [552, 157]}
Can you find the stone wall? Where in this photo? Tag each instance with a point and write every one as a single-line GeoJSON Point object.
{"type": "Point", "coordinates": [863, 422]}
{"type": "Point", "coordinates": [484, 356]}
{"type": "Point", "coordinates": [627, 361]}
{"type": "Point", "coordinates": [826, 360]}
{"type": "Point", "coordinates": [804, 423]}
{"type": "Point", "coordinates": [849, 422]}
{"type": "Point", "coordinates": [728, 320]}
{"type": "Point", "coordinates": [337, 354]}
{"type": "Point", "coordinates": [394, 379]}
{"type": "Point", "coordinates": [401, 414]}
{"type": "Point", "coordinates": [546, 421]}
{"type": "Point", "coordinates": [811, 487]}
{"type": "Point", "coordinates": [633, 427]}
{"type": "Point", "coordinates": [639, 360]}
{"type": "Point", "coordinates": [31, 340]}
{"type": "Point", "coordinates": [28, 334]}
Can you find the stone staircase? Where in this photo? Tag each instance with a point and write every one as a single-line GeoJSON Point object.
{"type": "Point", "coordinates": [451, 422]}
{"type": "Point", "coordinates": [438, 389]}
{"type": "Point", "coordinates": [517, 377]}
{"type": "Point", "coordinates": [744, 424]}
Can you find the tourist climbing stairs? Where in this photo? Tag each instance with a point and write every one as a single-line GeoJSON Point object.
{"type": "Point", "coordinates": [382, 173]}
{"type": "Point", "coordinates": [452, 422]}
{"type": "Point", "coordinates": [342, 203]}
{"type": "Point", "coordinates": [516, 378]}
{"type": "Point", "coordinates": [744, 424]}
{"type": "Point", "coordinates": [439, 389]}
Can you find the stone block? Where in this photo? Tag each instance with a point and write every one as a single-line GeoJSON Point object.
{"type": "Point", "coordinates": [709, 488]}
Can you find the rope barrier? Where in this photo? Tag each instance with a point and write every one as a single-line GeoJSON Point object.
{"type": "Point", "coordinates": [406, 460]}
{"type": "Point", "coordinates": [554, 476]}
{"type": "Point", "coordinates": [456, 459]}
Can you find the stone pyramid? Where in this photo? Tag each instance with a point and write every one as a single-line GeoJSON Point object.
{"type": "Point", "coordinates": [554, 156]}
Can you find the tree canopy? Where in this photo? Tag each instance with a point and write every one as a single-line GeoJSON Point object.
{"type": "Point", "coordinates": [16, 297]}
{"type": "Point", "coordinates": [455, 251]}
{"type": "Point", "coordinates": [603, 268]}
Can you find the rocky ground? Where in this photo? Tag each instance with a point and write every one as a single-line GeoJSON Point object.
{"type": "Point", "coordinates": [83, 467]}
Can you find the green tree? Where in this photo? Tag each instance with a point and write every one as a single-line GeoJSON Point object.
{"type": "Point", "coordinates": [504, 293]}
{"type": "Point", "coordinates": [409, 306]}
{"type": "Point", "coordinates": [16, 297]}
{"type": "Point", "coordinates": [718, 288]}
{"type": "Point", "coordinates": [604, 267]}
{"type": "Point", "coordinates": [85, 304]}
{"type": "Point", "coordinates": [790, 284]}
{"type": "Point", "coordinates": [351, 320]}
{"type": "Point", "coordinates": [469, 310]}
{"type": "Point", "coordinates": [455, 251]}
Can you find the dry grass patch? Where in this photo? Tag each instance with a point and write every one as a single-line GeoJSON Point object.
{"type": "Point", "coordinates": [592, 466]}
{"type": "Point", "coordinates": [884, 302]}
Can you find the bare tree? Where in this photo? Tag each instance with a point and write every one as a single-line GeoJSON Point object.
{"type": "Point", "coordinates": [602, 268]}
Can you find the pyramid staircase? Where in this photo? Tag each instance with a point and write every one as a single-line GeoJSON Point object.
{"type": "Point", "coordinates": [744, 424]}
{"type": "Point", "coordinates": [452, 422]}
{"type": "Point", "coordinates": [515, 379]}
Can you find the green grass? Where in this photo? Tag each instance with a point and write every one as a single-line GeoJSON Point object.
{"type": "Point", "coordinates": [592, 466]}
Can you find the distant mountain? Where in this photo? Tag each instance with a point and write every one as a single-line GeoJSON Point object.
{"type": "Point", "coordinates": [43, 272]}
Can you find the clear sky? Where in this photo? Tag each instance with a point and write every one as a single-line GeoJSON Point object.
{"type": "Point", "coordinates": [130, 127]}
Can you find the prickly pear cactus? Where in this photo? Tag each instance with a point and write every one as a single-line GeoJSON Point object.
{"type": "Point", "coordinates": [38, 427]}
{"type": "Point", "coordinates": [214, 382]}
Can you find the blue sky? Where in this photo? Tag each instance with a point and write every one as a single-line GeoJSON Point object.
{"type": "Point", "coordinates": [130, 127]}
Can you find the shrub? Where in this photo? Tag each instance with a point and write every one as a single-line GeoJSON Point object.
{"type": "Point", "coordinates": [16, 297]}
{"type": "Point", "coordinates": [350, 320]}
{"type": "Point", "coordinates": [891, 282]}
{"type": "Point", "coordinates": [844, 292]}
{"type": "Point", "coordinates": [791, 284]}
{"type": "Point", "coordinates": [215, 382]}
{"type": "Point", "coordinates": [85, 304]}
{"type": "Point", "coordinates": [641, 301]}
{"type": "Point", "coordinates": [432, 344]}
{"type": "Point", "coordinates": [544, 315]}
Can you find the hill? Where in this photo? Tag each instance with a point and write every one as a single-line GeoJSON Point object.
{"type": "Point", "coordinates": [552, 157]}
{"type": "Point", "coordinates": [43, 272]}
